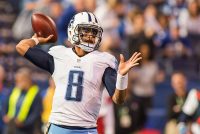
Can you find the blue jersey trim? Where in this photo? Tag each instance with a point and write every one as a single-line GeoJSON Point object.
{"type": "Point", "coordinates": [41, 59]}
{"type": "Point", "coordinates": [73, 127]}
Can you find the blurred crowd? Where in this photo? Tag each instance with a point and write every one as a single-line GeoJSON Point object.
{"type": "Point", "coordinates": [166, 32]}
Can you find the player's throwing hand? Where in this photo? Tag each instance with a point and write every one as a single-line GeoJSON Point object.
{"type": "Point", "coordinates": [41, 40]}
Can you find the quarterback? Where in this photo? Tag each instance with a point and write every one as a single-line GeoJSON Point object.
{"type": "Point", "coordinates": [80, 74]}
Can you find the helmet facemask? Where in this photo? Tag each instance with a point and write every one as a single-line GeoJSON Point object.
{"type": "Point", "coordinates": [88, 37]}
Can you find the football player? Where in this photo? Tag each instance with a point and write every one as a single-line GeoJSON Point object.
{"type": "Point", "coordinates": [80, 74]}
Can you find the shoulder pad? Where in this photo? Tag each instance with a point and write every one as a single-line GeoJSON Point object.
{"type": "Point", "coordinates": [57, 51]}
{"type": "Point", "coordinates": [110, 60]}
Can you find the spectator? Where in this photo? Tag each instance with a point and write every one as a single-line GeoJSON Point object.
{"type": "Point", "coordinates": [91, 5]}
{"type": "Point", "coordinates": [47, 102]}
{"type": "Point", "coordinates": [176, 50]}
{"type": "Point", "coordinates": [113, 13]}
{"type": "Point", "coordinates": [64, 19]}
{"type": "Point", "coordinates": [189, 121]}
{"type": "Point", "coordinates": [22, 25]}
{"type": "Point", "coordinates": [133, 115]}
{"type": "Point", "coordinates": [127, 118]}
{"type": "Point", "coordinates": [3, 94]}
{"type": "Point", "coordinates": [174, 45]}
{"type": "Point", "coordinates": [176, 101]}
{"type": "Point", "coordinates": [151, 22]}
{"type": "Point", "coordinates": [23, 107]}
{"type": "Point", "coordinates": [192, 14]}
{"type": "Point", "coordinates": [143, 88]}
{"type": "Point", "coordinates": [191, 28]}
{"type": "Point", "coordinates": [162, 34]}
{"type": "Point", "coordinates": [176, 7]}
{"type": "Point", "coordinates": [138, 35]}
{"type": "Point", "coordinates": [106, 120]}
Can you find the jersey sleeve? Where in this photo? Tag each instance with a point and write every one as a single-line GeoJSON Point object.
{"type": "Point", "coordinates": [111, 61]}
{"type": "Point", "coordinates": [57, 52]}
{"type": "Point", "coordinates": [110, 73]}
{"type": "Point", "coordinates": [41, 59]}
{"type": "Point", "coordinates": [109, 80]}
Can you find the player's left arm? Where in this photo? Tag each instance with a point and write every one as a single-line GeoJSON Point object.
{"type": "Point", "coordinates": [122, 76]}
{"type": "Point", "coordinates": [116, 82]}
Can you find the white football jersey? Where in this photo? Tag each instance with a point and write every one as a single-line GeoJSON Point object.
{"type": "Point", "coordinates": [79, 86]}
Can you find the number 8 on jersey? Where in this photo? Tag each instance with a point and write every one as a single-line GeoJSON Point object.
{"type": "Point", "coordinates": [75, 87]}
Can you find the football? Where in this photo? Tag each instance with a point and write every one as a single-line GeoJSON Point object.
{"type": "Point", "coordinates": [44, 26]}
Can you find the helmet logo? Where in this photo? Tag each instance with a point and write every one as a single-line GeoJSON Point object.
{"type": "Point", "coordinates": [71, 22]}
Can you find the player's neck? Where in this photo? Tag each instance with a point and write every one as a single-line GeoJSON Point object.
{"type": "Point", "coordinates": [80, 52]}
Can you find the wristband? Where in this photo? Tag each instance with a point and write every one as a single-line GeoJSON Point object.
{"type": "Point", "coordinates": [122, 81]}
{"type": "Point", "coordinates": [35, 40]}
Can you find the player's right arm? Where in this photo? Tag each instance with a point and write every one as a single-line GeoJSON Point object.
{"type": "Point", "coordinates": [23, 46]}
{"type": "Point", "coordinates": [37, 56]}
